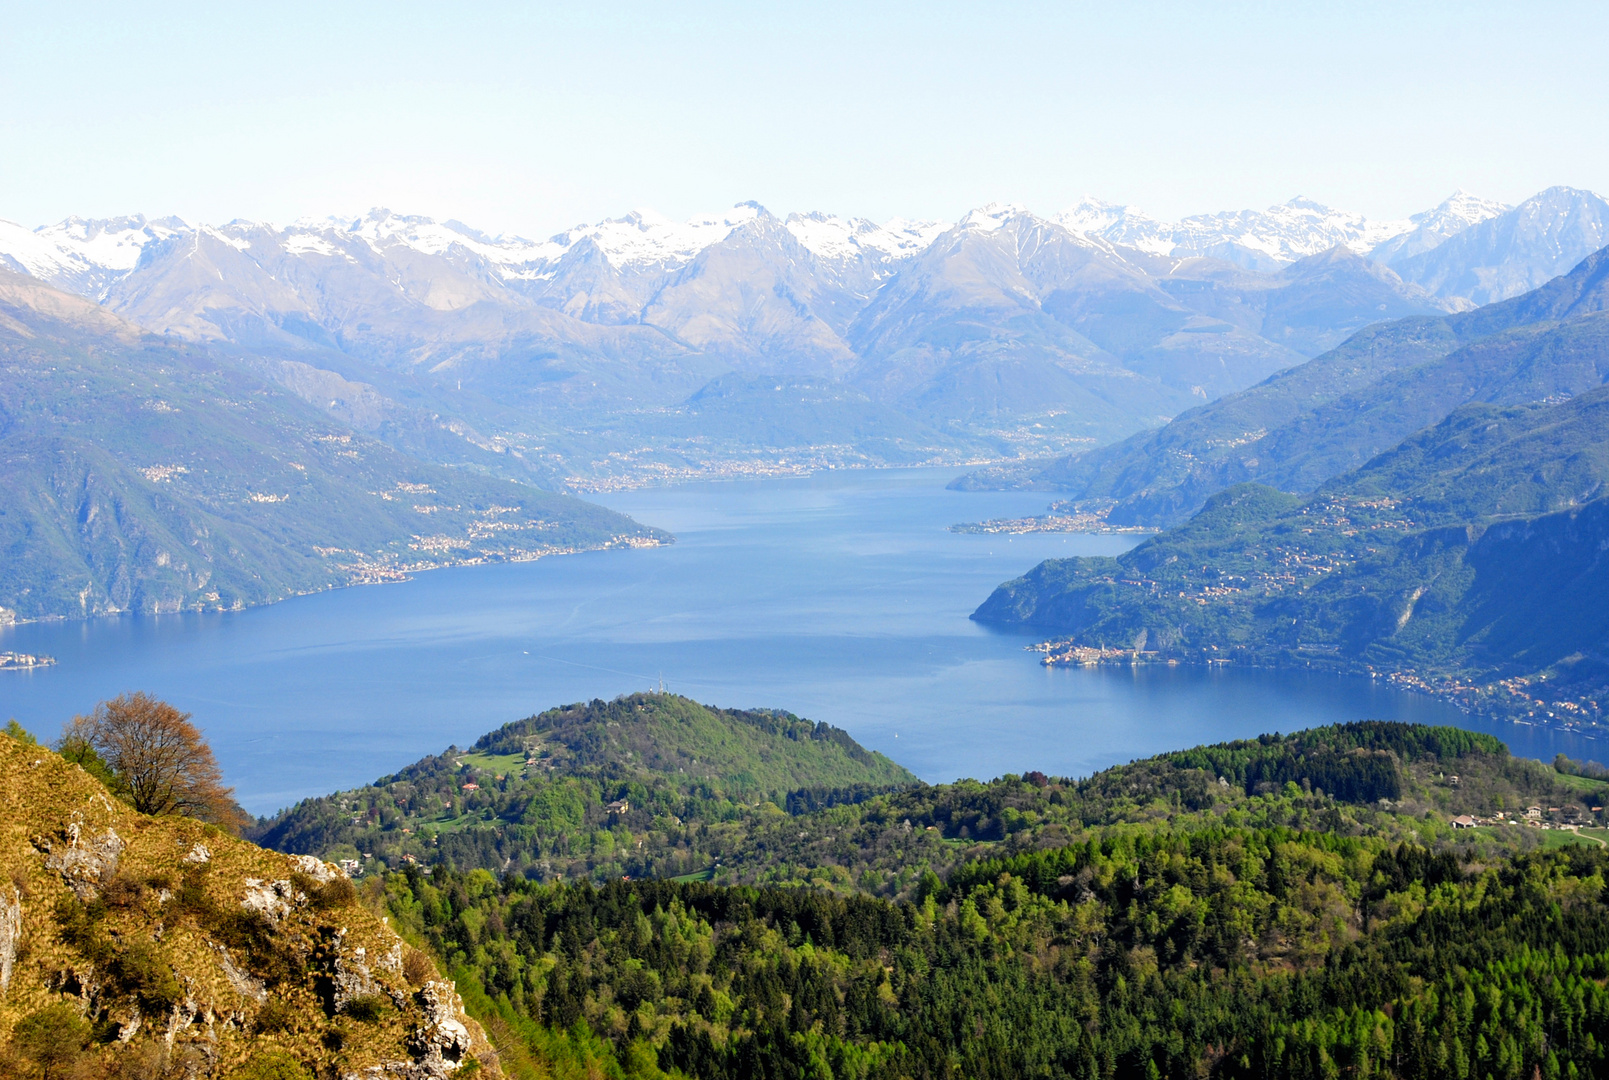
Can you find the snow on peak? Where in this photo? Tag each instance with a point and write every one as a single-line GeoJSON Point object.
{"type": "Point", "coordinates": [1281, 234]}
{"type": "Point", "coordinates": [381, 229]}
{"type": "Point", "coordinates": [82, 255]}
{"type": "Point", "coordinates": [828, 236]}
{"type": "Point", "coordinates": [310, 243]}
{"type": "Point", "coordinates": [236, 234]}
{"type": "Point", "coordinates": [1093, 216]}
{"type": "Point", "coordinates": [991, 216]}
{"type": "Point", "coordinates": [1116, 224]}
{"type": "Point", "coordinates": [1459, 211]}
{"type": "Point", "coordinates": [644, 238]}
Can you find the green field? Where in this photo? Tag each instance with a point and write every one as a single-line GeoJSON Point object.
{"type": "Point", "coordinates": [497, 764]}
{"type": "Point", "coordinates": [1586, 785]}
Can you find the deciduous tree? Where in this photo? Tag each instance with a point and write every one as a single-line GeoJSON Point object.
{"type": "Point", "coordinates": [157, 759]}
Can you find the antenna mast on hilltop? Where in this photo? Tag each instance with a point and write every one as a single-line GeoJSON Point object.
{"type": "Point", "coordinates": [661, 682]}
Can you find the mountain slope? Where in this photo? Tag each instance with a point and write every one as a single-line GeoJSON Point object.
{"type": "Point", "coordinates": [143, 475]}
{"type": "Point", "coordinates": [171, 948]}
{"type": "Point", "coordinates": [753, 297]}
{"type": "Point", "coordinates": [1333, 413]}
{"type": "Point", "coordinates": [1516, 251]}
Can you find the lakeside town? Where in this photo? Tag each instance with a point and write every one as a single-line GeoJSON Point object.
{"type": "Point", "coordinates": [21, 661]}
{"type": "Point", "coordinates": [1513, 699]}
{"type": "Point", "coordinates": [1049, 523]}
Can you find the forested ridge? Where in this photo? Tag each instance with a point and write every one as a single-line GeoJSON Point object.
{"type": "Point", "coordinates": [1228, 952]}
{"type": "Point", "coordinates": [609, 794]}
{"type": "Point", "coordinates": [1289, 906]}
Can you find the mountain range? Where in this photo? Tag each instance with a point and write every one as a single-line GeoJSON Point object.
{"type": "Point", "coordinates": [639, 348]}
{"type": "Point", "coordinates": [1319, 419]}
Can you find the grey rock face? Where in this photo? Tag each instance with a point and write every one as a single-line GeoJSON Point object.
{"type": "Point", "coordinates": [442, 1041]}
{"type": "Point", "coordinates": [10, 935]}
{"type": "Point", "coordinates": [82, 857]}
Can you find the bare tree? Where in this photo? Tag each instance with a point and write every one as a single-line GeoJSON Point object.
{"type": "Point", "coordinates": [158, 759]}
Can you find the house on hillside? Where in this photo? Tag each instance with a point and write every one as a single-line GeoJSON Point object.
{"type": "Point", "coordinates": [1534, 813]}
{"type": "Point", "coordinates": [619, 806]}
{"type": "Point", "coordinates": [1464, 821]}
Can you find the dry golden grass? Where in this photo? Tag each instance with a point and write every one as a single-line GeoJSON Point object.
{"type": "Point", "coordinates": [165, 957]}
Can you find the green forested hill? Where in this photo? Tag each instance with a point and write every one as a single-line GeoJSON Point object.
{"type": "Point", "coordinates": [1469, 556]}
{"type": "Point", "coordinates": [651, 784]}
{"type": "Point", "coordinates": [1289, 906]}
{"type": "Point", "coordinates": [766, 798]}
{"type": "Point", "coordinates": [138, 474]}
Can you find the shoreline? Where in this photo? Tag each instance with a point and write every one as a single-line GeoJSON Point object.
{"type": "Point", "coordinates": [1087, 524]}
{"type": "Point", "coordinates": [364, 574]}
{"type": "Point", "coordinates": [1472, 699]}
{"type": "Point", "coordinates": [670, 477]}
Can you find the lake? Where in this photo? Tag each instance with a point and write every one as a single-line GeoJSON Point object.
{"type": "Point", "coordinates": [841, 597]}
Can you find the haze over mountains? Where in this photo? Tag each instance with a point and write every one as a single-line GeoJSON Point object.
{"type": "Point", "coordinates": [1331, 414]}
{"type": "Point", "coordinates": [640, 348]}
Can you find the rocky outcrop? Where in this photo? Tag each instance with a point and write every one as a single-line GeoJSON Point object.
{"type": "Point", "coordinates": [442, 1042]}
{"type": "Point", "coordinates": [10, 935]}
{"type": "Point", "coordinates": [350, 973]}
{"type": "Point", "coordinates": [82, 863]}
{"type": "Point", "coordinates": [273, 900]}
{"type": "Point", "coordinates": [440, 1046]}
{"type": "Point", "coordinates": [243, 983]}
{"type": "Point", "coordinates": [193, 949]}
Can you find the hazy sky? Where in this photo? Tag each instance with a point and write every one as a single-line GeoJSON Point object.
{"type": "Point", "coordinates": [530, 117]}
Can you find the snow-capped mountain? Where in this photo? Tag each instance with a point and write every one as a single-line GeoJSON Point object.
{"type": "Point", "coordinates": [1515, 251]}
{"type": "Point", "coordinates": [1265, 240]}
{"type": "Point", "coordinates": [1432, 227]}
{"type": "Point", "coordinates": [607, 271]}
{"type": "Point", "coordinates": [79, 255]}
{"type": "Point", "coordinates": [1094, 324]}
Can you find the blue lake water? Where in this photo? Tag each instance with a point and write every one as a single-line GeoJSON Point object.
{"type": "Point", "coordinates": [841, 597]}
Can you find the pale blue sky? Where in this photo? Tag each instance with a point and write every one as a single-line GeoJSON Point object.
{"type": "Point", "coordinates": [530, 117]}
